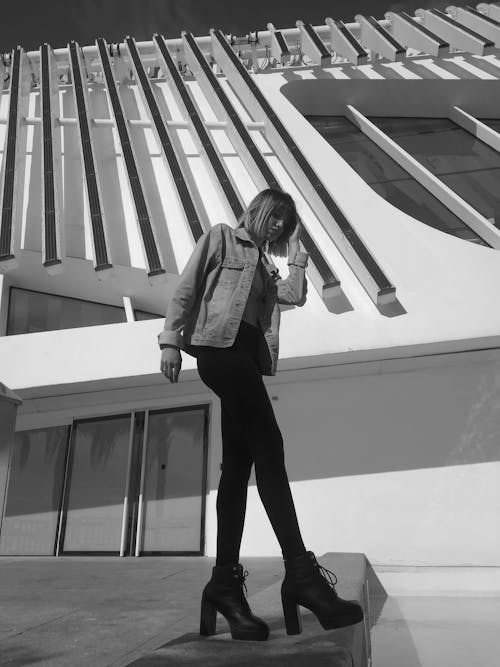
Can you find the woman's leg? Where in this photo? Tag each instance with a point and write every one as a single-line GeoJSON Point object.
{"type": "Point", "coordinates": [237, 463]}
{"type": "Point", "coordinates": [234, 377]}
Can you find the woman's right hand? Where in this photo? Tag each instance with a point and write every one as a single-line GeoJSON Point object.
{"type": "Point", "coordinates": [171, 363]}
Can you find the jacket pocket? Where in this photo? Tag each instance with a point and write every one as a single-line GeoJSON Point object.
{"type": "Point", "coordinates": [231, 268]}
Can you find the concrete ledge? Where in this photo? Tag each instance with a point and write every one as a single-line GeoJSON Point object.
{"type": "Point", "coordinates": [345, 647]}
{"type": "Point", "coordinates": [445, 581]}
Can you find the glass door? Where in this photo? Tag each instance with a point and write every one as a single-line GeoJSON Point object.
{"type": "Point", "coordinates": [34, 492]}
{"type": "Point", "coordinates": [96, 484]}
{"type": "Point", "coordinates": [173, 482]}
{"type": "Point", "coordinates": [135, 484]}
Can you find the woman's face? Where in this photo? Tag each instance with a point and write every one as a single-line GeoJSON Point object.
{"type": "Point", "coordinates": [275, 226]}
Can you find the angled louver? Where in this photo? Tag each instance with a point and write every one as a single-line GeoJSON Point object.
{"type": "Point", "coordinates": [364, 265]}
{"type": "Point", "coordinates": [413, 34]}
{"type": "Point", "coordinates": [483, 25]}
{"type": "Point", "coordinates": [345, 44]}
{"type": "Point", "coordinates": [142, 210]}
{"type": "Point", "coordinates": [312, 46]}
{"type": "Point", "coordinates": [205, 144]}
{"type": "Point", "coordinates": [280, 50]}
{"type": "Point", "coordinates": [102, 260]}
{"type": "Point", "coordinates": [162, 134]}
{"type": "Point", "coordinates": [458, 35]}
{"type": "Point", "coordinates": [253, 158]}
{"type": "Point", "coordinates": [378, 39]}
{"type": "Point", "coordinates": [52, 237]}
{"type": "Point", "coordinates": [11, 177]}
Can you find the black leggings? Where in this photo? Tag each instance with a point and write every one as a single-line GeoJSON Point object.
{"type": "Point", "coordinates": [250, 435]}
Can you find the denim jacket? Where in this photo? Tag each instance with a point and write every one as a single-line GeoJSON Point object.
{"type": "Point", "coordinates": [208, 302]}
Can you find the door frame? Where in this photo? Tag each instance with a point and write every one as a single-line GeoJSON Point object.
{"type": "Point", "coordinates": [205, 407]}
{"type": "Point", "coordinates": [132, 531]}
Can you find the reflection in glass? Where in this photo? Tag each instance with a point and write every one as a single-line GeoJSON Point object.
{"type": "Point", "coordinates": [34, 492]}
{"type": "Point", "coordinates": [387, 178]}
{"type": "Point", "coordinates": [144, 315]}
{"type": "Point", "coordinates": [31, 311]}
{"type": "Point", "coordinates": [97, 485]}
{"type": "Point", "coordinates": [467, 165]}
{"type": "Point", "coordinates": [173, 489]}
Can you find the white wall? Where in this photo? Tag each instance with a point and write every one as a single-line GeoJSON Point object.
{"type": "Point", "coordinates": [402, 466]}
{"type": "Point", "coordinates": [397, 459]}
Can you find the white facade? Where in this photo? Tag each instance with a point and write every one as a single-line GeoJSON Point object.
{"type": "Point", "coordinates": [388, 402]}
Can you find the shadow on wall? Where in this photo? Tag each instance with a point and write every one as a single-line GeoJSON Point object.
{"type": "Point", "coordinates": [368, 424]}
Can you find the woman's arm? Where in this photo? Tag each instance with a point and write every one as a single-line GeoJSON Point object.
{"type": "Point", "coordinates": [293, 289]}
{"type": "Point", "coordinates": [205, 252]}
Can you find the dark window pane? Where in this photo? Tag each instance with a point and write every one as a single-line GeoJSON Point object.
{"type": "Point", "coordinates": [468, 166]}
{"type": "Point", "coordinates": [173, 486]}
{"type": "Point", "coordinates": [31, 311]}
{"type": "Point", "coordinates": [34, 492]}
{"type": "Point", "coordinates": [144, 315]}
{"type": "Point", "coordinates": [98, 484]}
{"type": "Point", "coordinates": [387, 178]}
{"type": "Point", "coordinates": [411, 197]}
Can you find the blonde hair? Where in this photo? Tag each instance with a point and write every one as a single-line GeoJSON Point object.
{"type": "Point", "coordinates": [256, 215]}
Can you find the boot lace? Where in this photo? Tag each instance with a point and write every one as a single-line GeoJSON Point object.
{"type": "Point", "coordinates": [242, 575]}
{"type": "Point", "coordinates": [326, 573]}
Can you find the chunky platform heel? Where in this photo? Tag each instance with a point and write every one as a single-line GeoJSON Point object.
{"type": "Point", "coordinates": [309, 584]}
{"type": "Point", "coordinates": [226, 593]}
{"type": "Point", "coordinates": [208, 618]}
{"type": "Point", "coordinates": [291, 612]}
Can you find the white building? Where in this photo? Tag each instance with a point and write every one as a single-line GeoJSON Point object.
{"type": "Point", "coordinates": [115, 158]}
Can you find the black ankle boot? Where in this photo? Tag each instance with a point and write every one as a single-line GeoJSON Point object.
{"type": "Point", "coordinates": [224, 594]}
{"type": "Point", "coordinates": [309, 584]}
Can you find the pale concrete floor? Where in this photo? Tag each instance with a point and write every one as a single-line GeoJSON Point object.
{"type": "Point", "coordinates": [437, 632]}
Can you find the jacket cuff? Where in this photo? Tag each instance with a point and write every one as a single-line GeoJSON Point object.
{"type": "Point", "coordinates": [301, 259]}
{"type": "Point", "coordinates": [170, 338]}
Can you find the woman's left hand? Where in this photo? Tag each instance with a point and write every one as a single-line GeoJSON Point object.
{"type": "Point", "coordinates": [293, 242]}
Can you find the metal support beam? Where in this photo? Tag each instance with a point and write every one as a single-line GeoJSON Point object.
{"type": "Point", "coordinates": [335, 223]}
{"type": "Point", "coordinates": [312, 46]}
{"type": "Point", "coordinates": [215, 166]}
{"type": "Point", "coordinates": [280, 50]}
{"type": "Point", "coordinates": [12, 173]}
{"type": "Point", "coordinates": [150, 246]}
{"type": "Point", "coordinates": [102, 256]}
{"type": "Point", "coordinates": [162, 134]}
{"type": "Point", "coordinates": [327, 283]}
{"type": "Point", "coordinates": [475, 127]}
{"type": "Point", "coordinates": [479, 23]}
{"type": "Point", "coordinates": [345, 44]}
{"type": "Point", "coordinates": [53, 232]}
{"type": "Point", "coordinates": [378, 39]}
{"type": "Point", "coordinates": [454, 33]}
{"type": "Point", "coordinates": [414, 35]}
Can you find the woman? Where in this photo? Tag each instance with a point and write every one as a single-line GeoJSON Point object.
{"type": "Point", "coordinates": [225, 311]}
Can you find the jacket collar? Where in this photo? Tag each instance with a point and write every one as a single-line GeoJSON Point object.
{"type": "Point", "coordinates": [242, 233]}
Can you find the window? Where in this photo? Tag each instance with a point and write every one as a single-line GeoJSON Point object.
{"type": "Point", "coordinates": [130, 484]}
{"type": "Point", "coordinates": [144, 315]}
{"type": "Point", "coordinates": [34, 492]}
{"type": "Point", "coordinates": [387, 178]}
{"type": "Point", "coordinates": [464, 163]}
{"type": "Point", "coordinates": [31, 311]}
